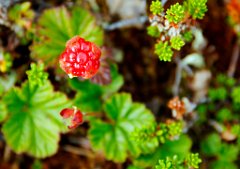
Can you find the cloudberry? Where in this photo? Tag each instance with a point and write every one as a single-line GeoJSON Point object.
{"type": "Point", "coordinates": [80, 58]}
{"type": "Point", "coordinates": [73, 117]}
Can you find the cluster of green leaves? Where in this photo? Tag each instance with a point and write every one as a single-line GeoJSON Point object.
{"type": "Point", "coordinates": [177, 42]}
{"type": "Point", "coordinates": [226, 92]}
{"type": "Point", "coordinates": [121, 133]}
{"type": "Point", "coordinates": [164, 51]}
{"type": "Point", "coordinates": [180, 147]}
{"type": "Point", "coordinates": [36, 75]}
{"type": "Point", "coordinates": [160, 141]}
{"type": "Point", "coordinates": [145, 134]}
{"type": "Point", "coordinates": [223, 107]}
{"type": "Point", "coordinates": [156, 7]}
{"type": "Point", "coordinates": [175, 13]}
{"type": "Point", "coordinates": [168, 163]}
{"type": "Point", "coordinates": [225, 153]}
{"type": "Point", "coordinates": [112, 136]}
{"type": "Point", "coordinates": [33, 115]}
{"type": "Point", "coordinates": [175, 16]}
{"type": "Point", "coordinates": [191, 161]}
{"type": "Point", "coordinates": [21, 15]}
{"type": "Point", "coordinates": [56, 26]}
{"type": "Point", "coordinates": [196, 9]}
{"type": "Point", "coordinates": [158, 133]}
{"type": "Point", "coordinates": [169, 131]}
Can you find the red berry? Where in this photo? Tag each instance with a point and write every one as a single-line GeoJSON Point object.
{"type": "Point", "coordinates": [80, 58]}
{"type": "Point", "coordinates": [73, 117]}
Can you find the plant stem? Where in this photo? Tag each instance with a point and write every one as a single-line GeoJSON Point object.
{"type": "Point", "coordinates": [234, 61]}
{"type": "Point", "coordinates": [6, 154]}
{"type": "Point", "coordinates": [164, 2]}
{"type": "Point", "coordinates": [216, 126]}
{"type": "Point", "coordinates": [126, 23]}
{"type": "Point", "coordinates": [93, 114]}
{"type": "Point", "coordinates": [178, 76]}
{"type": "Point", "coordinates": [78, 151]}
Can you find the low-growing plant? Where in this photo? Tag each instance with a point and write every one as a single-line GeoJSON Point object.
{"type": "Point", "coordinates": [225, 122]}
{"type": "Point", "coordinates": [173, 27]}
{"type": "Point", "coordinates": [35, 107]}
{"type": "Point", "coordinates": [39, 102]}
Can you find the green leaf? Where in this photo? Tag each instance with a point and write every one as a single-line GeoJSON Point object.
{"type": "Point", "coordinates": [187, 36]}
{"type": "Point", "coordinates": [153, 31]}
{"type": "Point", "coordinates": [202, 113]}
{"type": "Point", "coordinates": [223, 79]}
{"type": "Point", "coordinates": [175, 13]}
{"type": "Point", "coordinates": [235, 129]}
{"type": "Point", "coordinates": [145, 138]}
{"type": "Point", "coordinates": [37, 164]}
{"type": "Point", "coordinates": [25, 133]}
{"type": "Point", "coordinates": [223, 165]}
{"type": "Point", "coordinates": [21, 14]}
{"type": "Point", "coordinates": [228, 152]}
{"type": "Point", "coordinates": [168, 163]}
{"type": "Point", "coordinates": [164, 51]}
{"type": "Point", "coordinates": [90, 96]}
{"type": "Point", "coordinates": [177, 42]}
{"type": "Point", "coordinates": [179, 147]}
{"type": "Point", "coordinates": [57, 26]}
{"type": "Point", "coordinates": [196, 8]}
{"type": "Point", "coordinates": [156, 7]}
{"type": "Point", "coordinates": [36, 75]}
{"type": "Point", "coordinates": [217, 93]}
{"type": "Point", "coordinates": [3, 111]}
{"type": "Point", "coordinates": [236, 95]}
{"type": "Point", "coordinates": [211, 145]}
{"type": "Point", "coordinates": [34, 123]}
{"type": "Point", "coordinates": [193, 160]}
{"type": "Point", "coordinates": [224, 114]}
{"type": "Point", "coordinates": [134, 167]}
{"type": "Point", "coordinates": [113, 136]}
{"type": "Point", "coordinates": [115, 85]}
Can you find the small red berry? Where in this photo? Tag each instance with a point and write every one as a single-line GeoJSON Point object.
{"type": "Point", "coordinates": [80, 58]}
{"type": "Point", "coordinates": [73, 117]}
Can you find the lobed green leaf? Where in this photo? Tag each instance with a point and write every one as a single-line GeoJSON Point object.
{"type": "Point", "coordinates": [57, 26]}
{"type": "Point", "coordinates": [113, 136]}
{"type": "Point", "coordinates": [34, 122]}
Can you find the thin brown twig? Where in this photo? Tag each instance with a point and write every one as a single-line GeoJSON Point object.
{"type": "Point", "coordinates": [234, 61]}
{"type": "Point", "coordinates": [78, 151]}
{"type": "Point", "coordinates": [178, 76]}
{"type": "Point", "coordinates": [6, 154]}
